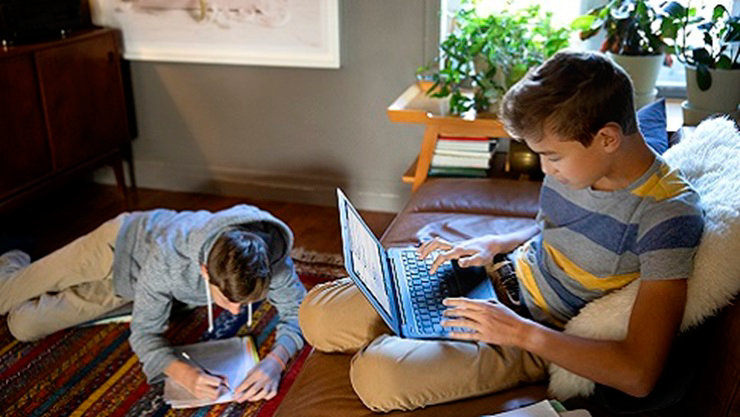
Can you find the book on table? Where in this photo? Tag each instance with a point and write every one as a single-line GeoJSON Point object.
{"type": "Point", "coordinates": [457, 172]}
{"type": "Point", "coordinates": [465, 154]}
{"type": "Point", "coordinates": [460, 161]}
{"type": "Point", "coordinates": [231, 358]}
{"type": "Point", "coordinates": [467, 144]}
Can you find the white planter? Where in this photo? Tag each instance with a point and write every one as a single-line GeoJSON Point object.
{"type": "Point", "coordinates": [642, 69]}
{"type": "Point", "coordinates": [723, 96]}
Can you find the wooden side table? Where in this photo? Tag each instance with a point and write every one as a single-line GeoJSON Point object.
{"type": "Point", "coordinates": [414, 106]}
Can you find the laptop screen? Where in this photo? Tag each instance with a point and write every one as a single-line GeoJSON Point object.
{"type": "Point", "coordinates": [366, 257]}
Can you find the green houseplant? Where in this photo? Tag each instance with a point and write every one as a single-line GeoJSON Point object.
{"type": "Point", "coordinates": [637, 34]}
{"type": "Point", "coordinates": [488, 54]}
{"type": "Point", "coordinates": [712, 61]}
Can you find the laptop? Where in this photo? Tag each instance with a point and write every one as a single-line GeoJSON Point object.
{"type": "Point", "coordinates": [399, 285]}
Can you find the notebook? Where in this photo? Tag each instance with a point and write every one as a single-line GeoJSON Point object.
{"type": "Point", "coordinates": [232, 358]}
{"type": "Point", "coordinates": [399, 285]}
{"type": "Point", "coordinates": [544, 408]}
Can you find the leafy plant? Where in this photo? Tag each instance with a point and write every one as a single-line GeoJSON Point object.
{"type": "Point", "coordinates": [719, 33]}
{"type": "Point", "coordinates": [490, 54]}
{"type": "Point", "coordinates": [633, 27]}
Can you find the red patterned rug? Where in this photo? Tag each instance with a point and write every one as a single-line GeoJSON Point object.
{"type": "Point", "coordinates": [93, 372]}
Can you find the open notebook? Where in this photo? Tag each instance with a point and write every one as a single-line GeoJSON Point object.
{"type": "Point", "coordinates": [232, 358]}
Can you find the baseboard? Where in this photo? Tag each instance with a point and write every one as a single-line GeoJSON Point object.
{"type": "Point", "coordinates": [386, 196]}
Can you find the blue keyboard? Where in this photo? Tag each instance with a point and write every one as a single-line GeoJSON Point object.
{"type": "Point", "coordinates": [427, 290]}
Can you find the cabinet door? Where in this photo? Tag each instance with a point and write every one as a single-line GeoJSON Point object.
{"type": "Point", "coordinates": [81, 86]}
{"type": "Point", "coordinates": [24, 151]}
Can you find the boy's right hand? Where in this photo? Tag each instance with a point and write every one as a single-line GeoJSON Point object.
{"type": "Point", "coordinates": [197, 382]}
{"type": "Point", "coordinates": [472, 252]}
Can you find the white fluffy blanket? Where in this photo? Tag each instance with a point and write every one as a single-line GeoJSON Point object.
{"type": "Point", "coordinates": [710, 160]}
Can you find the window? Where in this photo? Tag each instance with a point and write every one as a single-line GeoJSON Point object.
{"type": "Point", "coordinates": [671, 81]}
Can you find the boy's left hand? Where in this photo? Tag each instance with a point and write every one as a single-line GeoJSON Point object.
{"type": "Point", "coordinates": [488, 321]}
{"type": "Point", "coordinates": [261, 382]}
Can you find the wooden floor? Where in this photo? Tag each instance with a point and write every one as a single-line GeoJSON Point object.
{"type": "Point", "coordinates": [51, 221]}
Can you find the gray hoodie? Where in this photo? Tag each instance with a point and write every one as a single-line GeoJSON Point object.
{"type": "Point", "coordinates": [157, 260]}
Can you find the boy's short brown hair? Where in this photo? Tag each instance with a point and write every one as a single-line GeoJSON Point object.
{"type": "Point", "coordinates": [238, 265]}
{"type": "Point", "coordinates": [572, 94]}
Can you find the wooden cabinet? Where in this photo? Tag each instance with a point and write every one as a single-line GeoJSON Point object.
{"type": "Point", "coordinates": [62, 111]}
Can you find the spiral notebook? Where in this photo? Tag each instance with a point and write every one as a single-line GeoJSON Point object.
{"type": "Point", "coordinates": [232, 358]}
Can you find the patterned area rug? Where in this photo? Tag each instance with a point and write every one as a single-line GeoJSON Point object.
{"type": "Point", "coordinates": [93, 372]}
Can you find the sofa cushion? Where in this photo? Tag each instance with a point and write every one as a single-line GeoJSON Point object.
{"type": "Point", "coordinates": [652, 121]}
{"type": "Point", "coordinates": [500, 197]}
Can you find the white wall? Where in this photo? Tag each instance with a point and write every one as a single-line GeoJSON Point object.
{"type": "Point", "coordinates": [284, 133]}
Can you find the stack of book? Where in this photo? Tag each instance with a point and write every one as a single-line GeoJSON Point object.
{"type": "Point", "coordinates": [462, 157]}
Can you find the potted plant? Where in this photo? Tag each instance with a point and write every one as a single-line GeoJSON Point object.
{"type": "Point", "coordinates": [485, 55]}
{"type": "Point", "coordinates": [636, 35]}
{"type": "Point", "coordinates": [712, 61]}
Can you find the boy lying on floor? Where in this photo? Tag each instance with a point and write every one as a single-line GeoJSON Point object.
{"type": "Point", "coordinates": [231, 258]}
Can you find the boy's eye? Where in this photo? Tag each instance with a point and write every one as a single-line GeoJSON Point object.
{"type": "Point", "coordinates": [553, 159]}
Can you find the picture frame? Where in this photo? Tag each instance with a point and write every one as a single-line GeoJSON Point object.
{"type": "Point", "coordinates": [285, 33]}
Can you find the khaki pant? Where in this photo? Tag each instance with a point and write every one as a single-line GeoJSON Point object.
{"type": "Point", "coordinates": [65, 288]}
{"type": "Point", "coordinates": [392, 373]}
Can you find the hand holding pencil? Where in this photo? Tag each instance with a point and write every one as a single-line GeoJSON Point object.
{"type": "Point", "coordinates": [208, 384]}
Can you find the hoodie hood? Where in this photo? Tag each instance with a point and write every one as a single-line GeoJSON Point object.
{"type": "Point", "coordinates": [204, 238]}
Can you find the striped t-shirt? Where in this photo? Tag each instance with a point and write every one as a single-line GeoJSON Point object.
{"type": "Point", "coordinates": [593, 242]}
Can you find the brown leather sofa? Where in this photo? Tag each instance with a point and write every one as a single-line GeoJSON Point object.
{"type": "Point", "coordinates": [455, 209]}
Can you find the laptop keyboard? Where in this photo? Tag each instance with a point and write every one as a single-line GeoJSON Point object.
{"type": "Point", "coordinates": [427, 290]}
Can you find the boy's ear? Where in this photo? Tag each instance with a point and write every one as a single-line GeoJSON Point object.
{"type": "Point", "coordinates": [609, 137]}
{"type": "Point", "coordinates": [204, 272]}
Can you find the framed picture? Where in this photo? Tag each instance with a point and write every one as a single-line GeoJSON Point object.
{"type": "Point", "coordinates": [289, 33]}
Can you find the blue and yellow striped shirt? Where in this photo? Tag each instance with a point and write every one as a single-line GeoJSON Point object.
{"type": "Point", "coordinates": [594, 242]}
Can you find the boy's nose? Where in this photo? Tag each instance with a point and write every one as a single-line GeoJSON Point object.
{"type": "Point", "coordinates": [545, 166]}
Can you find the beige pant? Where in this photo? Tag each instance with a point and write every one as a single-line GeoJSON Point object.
{"type": "Point", "coordinates": [65, 288]}
{"type": "Point", "coordinates": [392, 373]}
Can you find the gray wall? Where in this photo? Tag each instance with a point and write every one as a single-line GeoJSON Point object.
{"type": "Point", "coordinates": [284, 133]}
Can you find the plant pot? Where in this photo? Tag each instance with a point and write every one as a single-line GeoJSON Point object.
{"type": "Point", "coordinates": [643, 70]}
{"type": "Point", "coordinates": [723, 95]}
{"type": "Point", "coordinates": [693, 116]}
{"type": "Point", "coordinates": [642, 99]}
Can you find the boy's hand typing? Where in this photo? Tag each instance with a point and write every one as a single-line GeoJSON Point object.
{"type": "Point", "coordinates": [472, 252]}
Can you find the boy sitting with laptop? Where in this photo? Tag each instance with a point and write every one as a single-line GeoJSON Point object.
{"type": "Point", "coordinates": [611, 212]}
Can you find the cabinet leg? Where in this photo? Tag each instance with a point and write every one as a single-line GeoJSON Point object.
{"type": "Point", "coordinates": [129, 157]}
{"type": "Point", "coordinates": [117, 165]}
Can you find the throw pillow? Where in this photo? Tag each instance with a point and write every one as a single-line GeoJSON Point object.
{"type": "Point", "coordinates": [652, 122]}
{"type": "Point", "coordinates": [708, 160]}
